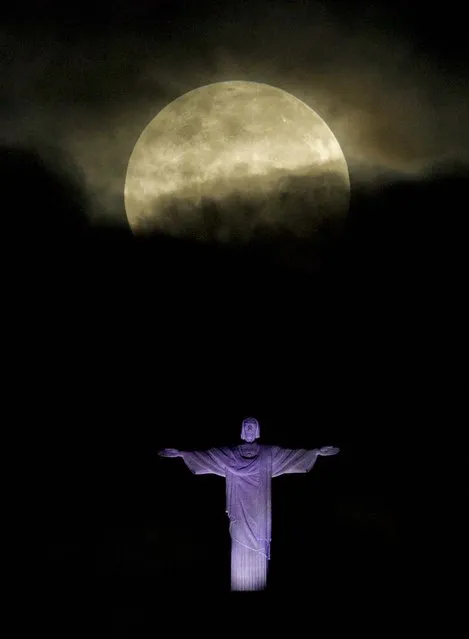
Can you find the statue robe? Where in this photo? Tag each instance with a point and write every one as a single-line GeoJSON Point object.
{"type": "Point", "coordinates": [248, 501]}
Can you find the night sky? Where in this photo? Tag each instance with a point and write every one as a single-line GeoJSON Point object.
{"type": "Point", "coordinates": [120, 346]}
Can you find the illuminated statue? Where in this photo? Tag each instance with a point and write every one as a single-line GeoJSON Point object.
{"type": "Point", "coordinates": [248, 469]}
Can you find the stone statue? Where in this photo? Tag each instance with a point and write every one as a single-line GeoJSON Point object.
{"type": "Point", "coordinates": [248, 469]}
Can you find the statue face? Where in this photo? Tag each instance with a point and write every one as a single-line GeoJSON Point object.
{"type": "Point", "coordinates": [250, 430]}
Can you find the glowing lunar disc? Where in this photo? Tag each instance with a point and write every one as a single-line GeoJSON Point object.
{"type": "Point", "coordinates": [230, 159]}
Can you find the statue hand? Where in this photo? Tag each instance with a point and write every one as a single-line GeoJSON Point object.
{"type": "Point", "coordinates": [328, 450]}
{"type": "Point", "coordinates": [169, 452]}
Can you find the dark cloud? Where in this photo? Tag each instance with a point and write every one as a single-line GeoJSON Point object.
{"type": "Point", "coordinates": [284, 204]}
{"type": "Point", "coordinates": [48, 205]}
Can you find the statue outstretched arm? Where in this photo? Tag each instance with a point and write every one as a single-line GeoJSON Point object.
{"type": "Point", "coordinates": [200, 462]}
{"type": "Point", "coordinates": [301, 460]}
{"type": "Point", "coordinates": [169, 452]}
{"type": "Point", "coordinates": [326, 451]}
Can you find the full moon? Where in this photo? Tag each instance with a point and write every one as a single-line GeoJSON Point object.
{"type": "Point", "coordinates": [231, 160]}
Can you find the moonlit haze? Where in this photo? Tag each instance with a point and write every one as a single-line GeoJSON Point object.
{"type": "Point", "coordinates": [395, 110]}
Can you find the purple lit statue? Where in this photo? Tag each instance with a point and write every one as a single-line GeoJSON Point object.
{"type": "Point", "coordinates": [248, 469]}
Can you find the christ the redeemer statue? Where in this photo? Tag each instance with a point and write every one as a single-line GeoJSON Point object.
{"type": "Point", "coordinates": [248, 469]}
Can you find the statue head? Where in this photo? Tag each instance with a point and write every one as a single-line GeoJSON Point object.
{"type": "Point", "coordinates": [250, 429]}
